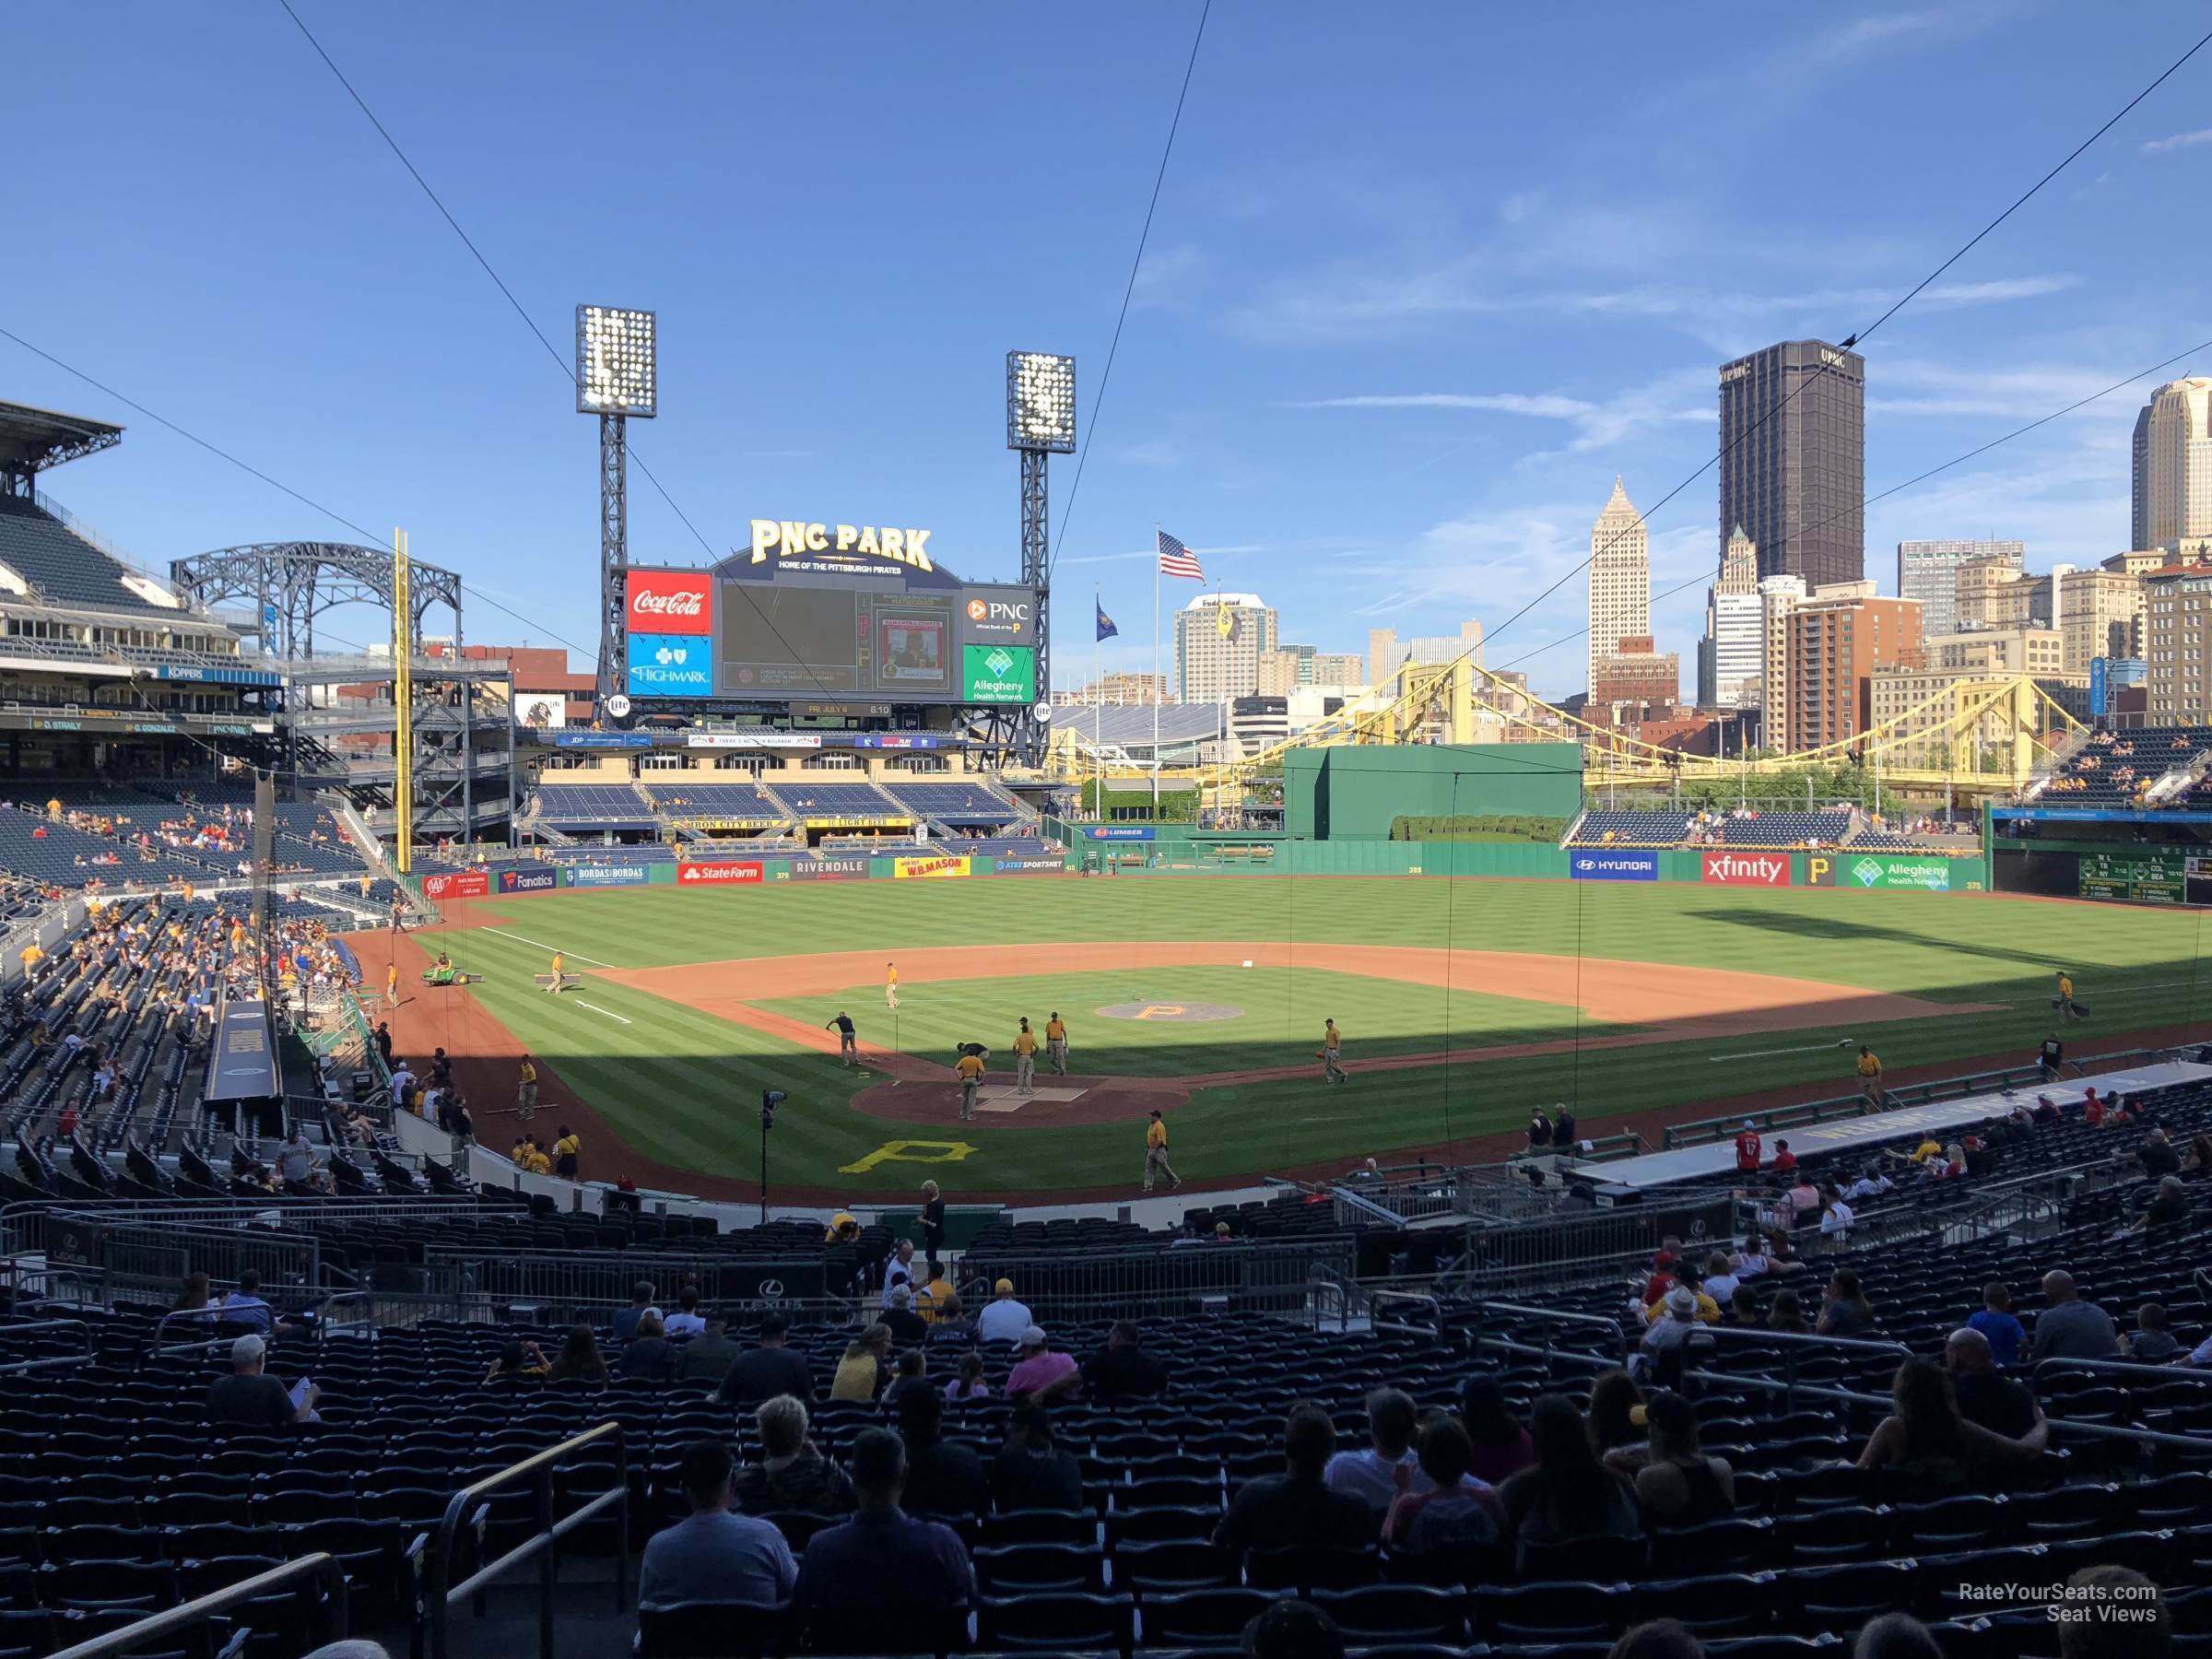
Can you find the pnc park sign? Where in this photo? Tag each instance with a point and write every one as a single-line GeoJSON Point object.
{"type": "Point", "coordinates": [789, 539]}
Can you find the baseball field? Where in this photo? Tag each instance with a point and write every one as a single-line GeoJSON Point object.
{"type": "Point", "coordinates": [1462, 1003]}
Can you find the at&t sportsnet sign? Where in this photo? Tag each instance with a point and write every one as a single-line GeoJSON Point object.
{"type": "Point", "coordinates": [1614, 866]}
{"type": "Point", "coordinates": [717, 874]}
{"type": "Point", "coordinates": [1747, 869]}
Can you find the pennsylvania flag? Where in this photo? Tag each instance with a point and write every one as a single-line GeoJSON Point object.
{"type": "Point", "coordinates": [1107, 631]}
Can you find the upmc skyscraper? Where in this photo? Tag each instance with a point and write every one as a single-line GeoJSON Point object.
{"type": "Point", "coordinates": [1794, 459]}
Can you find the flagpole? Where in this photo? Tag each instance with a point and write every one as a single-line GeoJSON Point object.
{"type": "Point", "coordinates": [1160, 684]}
{"type": "Point", "coordinates": [1097, 703]}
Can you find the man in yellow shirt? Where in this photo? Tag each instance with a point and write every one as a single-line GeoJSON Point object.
{"type": "Point", "coordinates": [2063, 1001]}
{"type": "Point", "coordinates": [1332, 1052]}
{"type": "Point", "coordinates": [391, 979]}
{"type": "Point", "coordinates": [971, 1068]}
{"type": "Point", "coordinates": [566, 1152]}
{"type": "Point", "coordinates": [1056, 1044]}
{"type": "Point", "coordinates": [1156, 1153]}
{"type": "Point", "coordinates": [554, 987]}
{"type": "Point", "coordinates": [891, 985]}
{"type": "Point", "coordinates": [534, 1159]}
{"type": "Point", "coordinates": [1870, 1076]}
{"type": "Point", "coordinates": [1025, 1059]}
{"type": "Point", "coordinates": [526, 1093]}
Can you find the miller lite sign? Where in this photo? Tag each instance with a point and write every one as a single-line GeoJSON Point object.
{"type": "Point", "coordinates": [670, 602]}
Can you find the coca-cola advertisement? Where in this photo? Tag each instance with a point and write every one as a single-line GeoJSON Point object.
{"type": "Point", "coordinates": [671, 602]}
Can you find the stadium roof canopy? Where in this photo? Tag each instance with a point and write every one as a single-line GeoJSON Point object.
{"type": "Point", "coordinates": [32, 438]}
{"type": "Point", "coordinates": [1130, 724]}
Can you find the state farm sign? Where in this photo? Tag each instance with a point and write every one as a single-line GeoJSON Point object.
{"type": "Point", "coordinates": [1747, 869]}
{"type": "Point", "coordinates": [715, 875]}
{"type": "Point", "coordinates": [670, 602]}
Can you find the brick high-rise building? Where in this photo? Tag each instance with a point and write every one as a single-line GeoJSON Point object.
{"type": "Point", "coordinates": [1834, 640]}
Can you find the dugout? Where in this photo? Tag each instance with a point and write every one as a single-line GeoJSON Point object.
{"type": "Point", "coordinates": [2131, 857]}
{"type": "Point", "coordinates": [1361, 791]}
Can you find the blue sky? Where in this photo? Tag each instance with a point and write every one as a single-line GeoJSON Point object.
{"type": "Point", "coordinates": [1422, 280]}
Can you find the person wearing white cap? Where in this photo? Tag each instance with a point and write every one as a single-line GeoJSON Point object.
{"type": "Point", "coordinates": [1747, 1150]}
{"type": "Point", "coordinates": [1003, 1318]}
{"type": "Point", "coordinates": [1041, 1374]}
{"type": "Point", "coordinates": [1665, 1336]}
{"type": "Point", "coordinates": [250, 1398]}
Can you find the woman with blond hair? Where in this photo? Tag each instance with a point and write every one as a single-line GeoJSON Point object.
{"type": "Point", "coordinates": [791, 1474]}
{"type": "Point", "coordinates": [865, 1368]}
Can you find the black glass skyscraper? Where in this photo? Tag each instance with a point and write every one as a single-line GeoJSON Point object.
{"type": "Point", "coordinates": [1794, 459]}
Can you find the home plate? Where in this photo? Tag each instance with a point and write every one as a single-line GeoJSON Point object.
{"type": "Point", "coordinates": [1005, 1097]}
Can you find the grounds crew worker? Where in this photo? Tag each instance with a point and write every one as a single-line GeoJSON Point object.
{"type": "Point", "coordinates": [891, 985]}
{"type": "Point", "coordinates": [1332, 1053]}
{"type": "Point", "coordinates": [1870, 1075]}
{"type": "Point", "coordinates": [554, 987]}
{"type": "Point", "coordinates": [1155, 1152]}
{"type": "Point", "coordinates": [525, 1092]}
{"type": "Point", "coordinates": [971, 1068]}
{"type": "Point", "coordinates": [1056, 1044]}
{"type": "Point", "coordinates": [848, 1045]}
{"type": "Point", "coordinates": [1025, 1059]}
{"type": "Point", "coordinates": [2063, 1001]}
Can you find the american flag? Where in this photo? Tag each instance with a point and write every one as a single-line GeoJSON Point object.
{"type": "Point", "coordinates": [1175, 559]}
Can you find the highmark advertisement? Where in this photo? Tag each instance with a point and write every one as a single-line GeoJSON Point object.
{"type": "Point", "coordinates": [1921, 872]}
{"type": "Point", "coordinates": [1000, 674]}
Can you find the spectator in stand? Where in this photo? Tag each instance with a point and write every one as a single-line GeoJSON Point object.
{"type": "Point", "coordinates": [1743, 1309]}
{"type": "Point", "coordinates": [768, 1370]}
{"type": "Point", "coordinates": [2150, 1633]}
{"type": "Point", "coordinates": [1747, 1150]}
{"type": "Point", "coordinates": [911, 1377]}
{"type": "Point", "coordinates": [1289, 1629]}
{"type": "Point", "coordinates": [2169, 1210]}
{"type": "Point", "coordinates": [1678, 1484]}
{"type": "Point", "coordinates": [969, 1384]}
{"type": "Point", "coordinates": [2004, 1335]}
{"type": "Point", "coordinates": [1498, 1440]}
{"type": "Point", "coordinates": [1003, 1318]}
{"type": "Point", "coordinates": [708, 1357]}
{"type": "Point", "coordinates": [1440, 1505]}
{"type": "Point", "coordinates": [1786, 1314]}
{"type": "Point", "coordinates": [1298, 1506]}
{"type": "Point", "coordinates": [2198, 1159]}
{"type": "Point", "coordinates": [791, 1474]}
{"type": "Point", "coordinates": [1030, 1472]}
{"type": "Point", "coordinates": [191, 1300]}
{"type": "Point", "coordinates": [1836, 1216]}
{"type": "Point", "coordinates": [1043, 1373]}
{"type": "Point", "coordinates": [651, 1355]}
{"type": "Point", "coordinates": [865, 1369]}
{"type": "Point", "coordinates": [897, 1271]}
{"type": "Point", "coordinates": [1687, 1279]}
{"type": "Point", "coordinates": [250, 1398]}
{"type": "Point", "coordinates": [1539, 1130]}
{"type": "Point", "coordinates": [1844, 1310]}
{"type": "Point", "coordinates": [1614, 1399]}
{"type": "Point", "coordinates": [1386, 1466]}
{"type": "Point", "coordinates": [1926, 1431]}
{"type": "Point", "coordinates": [1785, 1160]}
{"type": "Point", "coordinates": [640, 1304]}
{"type": "Point", "coordinates": [1897, 1636]}
{"type": "Point", "coordinates": [712, 1555]}
{"type": "Point", "coordinates": [1996, 1403]}
{"type": "Point", "coordinates": [1721, 1280]}
{"type": "Point", "coordinates": [2152, 1343]}
{"type": "Point", "coordinates": [1802, 1199]}
{"type": "Point", "coordinates": [942, 1478]}
{"type": "Point", "coordinates": [518, 1362]}
{"type": "Point", "coordinates": [900, 1318]}
{"type": "Point", "coordinates": [1659, 1353]}
{"type": "Point", "coordinates": [883, 1562]}
{"type": "Point", "coordinates": [1567, 1493]}
{"type": "Point", "coordinates": [1121, 1370]}
{"type": "Point", "coordinates": [686, 1321]}
{"type": "Point", "coordinates": [243, 1306]}
{"type": "Point", "coordinates": [2069, 1328]}
{"type": "Point", "coordinates": [580, 1358]}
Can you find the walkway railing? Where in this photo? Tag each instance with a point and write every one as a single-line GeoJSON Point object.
{"type": "Point", "coordinates": [441, 1593]}
{"type": "Point", "coordinates": [1613, 1349]}
{"type": "Point", "coordinates": [328, 1578]}
{"type": "Point", "coordinates": [33, 1327]}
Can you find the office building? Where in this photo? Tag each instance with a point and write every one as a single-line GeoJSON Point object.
{"type": "Point", "coordinates": [1833, 640]}
{"type": "Point", "coordinates": [2172, 493]}
{"type": "Point", "coordinates": [1993, 652]}
{"type": "Point", "coordinates": [2140, 561]}
{"type": "Point", "coordinates": [1219, 639]}
{"type": "Point", "coordinates": [1116, 690]}
{"type": "Point", "coordinates": [1620, 580]}
{"type": "Point", "coordinates": [1339, 668]}
{"type": "Point", "coordinates": [1285, 667]}
{"type": "Point", "coordinates": [1928, 571]}
{"type": "Point", "coordinates": [1635, 675]}
{"type": "Point", "coordinates": [2177, 603]}
{"type": "Point", "coordinates": [1793, 459]}
{"type": "Point", "coordinates": [1731, 652]}
{"type": "Point", "coordinates": [1778, 596]}
{"type": "Point", "coordinates": [2100, 615]}
{"type": "Point", "coordinates": [1386, 653]}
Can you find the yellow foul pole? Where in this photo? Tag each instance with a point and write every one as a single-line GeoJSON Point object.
{"type": "Point", "coordinates": [403, 701]}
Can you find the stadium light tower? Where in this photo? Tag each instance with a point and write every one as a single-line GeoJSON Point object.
{"type": "Point", "coordinates": [1040, 421]}
{"type": "Point", "coordinates": [618, 375]}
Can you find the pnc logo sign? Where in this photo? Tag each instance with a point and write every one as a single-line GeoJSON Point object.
{"type": "Point", "coordinates": [669, 602]}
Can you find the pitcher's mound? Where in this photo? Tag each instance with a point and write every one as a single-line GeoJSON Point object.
{"type": "Point", "coordinates": [1171, 1011]}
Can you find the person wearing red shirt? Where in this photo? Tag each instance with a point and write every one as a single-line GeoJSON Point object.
{"type": "Point", "coordinates": [1747, 1149]}
{"type": "Point", "coordinates": [1785, 1160]}
{"type": "Point", "coordinates": [2092, 1110]}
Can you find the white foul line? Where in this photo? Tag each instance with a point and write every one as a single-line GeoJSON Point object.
{"type": "Point", "coordinates": [595, 1008]}
{"type": "Point", "coordinates": [1811, 1048]}
{"type": "Point", "coordinates": [543, 946]}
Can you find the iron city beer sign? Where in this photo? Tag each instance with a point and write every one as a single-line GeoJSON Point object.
{"type": "Point", "coordinates": [788, 538]}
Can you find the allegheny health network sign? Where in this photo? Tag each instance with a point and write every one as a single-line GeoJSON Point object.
{"type": "Point", "coordinates": [1000, 674]}
{"type": "Point", "coordinates": [1919, 872]}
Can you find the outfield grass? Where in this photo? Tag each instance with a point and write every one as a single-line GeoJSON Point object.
{"type": "Point", "coordinates": [682, 1084]}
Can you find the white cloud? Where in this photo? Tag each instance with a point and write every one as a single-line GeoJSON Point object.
{"type": "Point", "coordinates": [1663, 401]}
{"type": "Point", "coordinates": [2159, 146]}
{"type": "Point", "coordinates": [1156, 453]}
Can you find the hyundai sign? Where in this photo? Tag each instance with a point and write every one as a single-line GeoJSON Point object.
{"type": "Point", "coordinates": [1614, 866]}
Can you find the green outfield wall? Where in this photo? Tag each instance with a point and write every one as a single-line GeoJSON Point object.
{"type": "Point", "coordinates": [1356, 791]}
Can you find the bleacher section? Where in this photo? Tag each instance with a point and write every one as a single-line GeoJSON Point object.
{"type": "Point", "coordinates": [2115, 768]}
{"type": "Point", "coordinates": [62, 567]}
{"type": "Point", "coordinates": [813, 797]}
{"type": "Point", "coordinates": [718, 799]}
{"type": "Point", "coordinates": [1774, 829]}
{"type": "Point", "coordinates": [954, 803]}
{"type": "Point", "coordinates": [32, 847]}
{"type": "Point", "coordinates": [593, 807]}
{"type": "Point", "coordinates": [1601, 827]}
